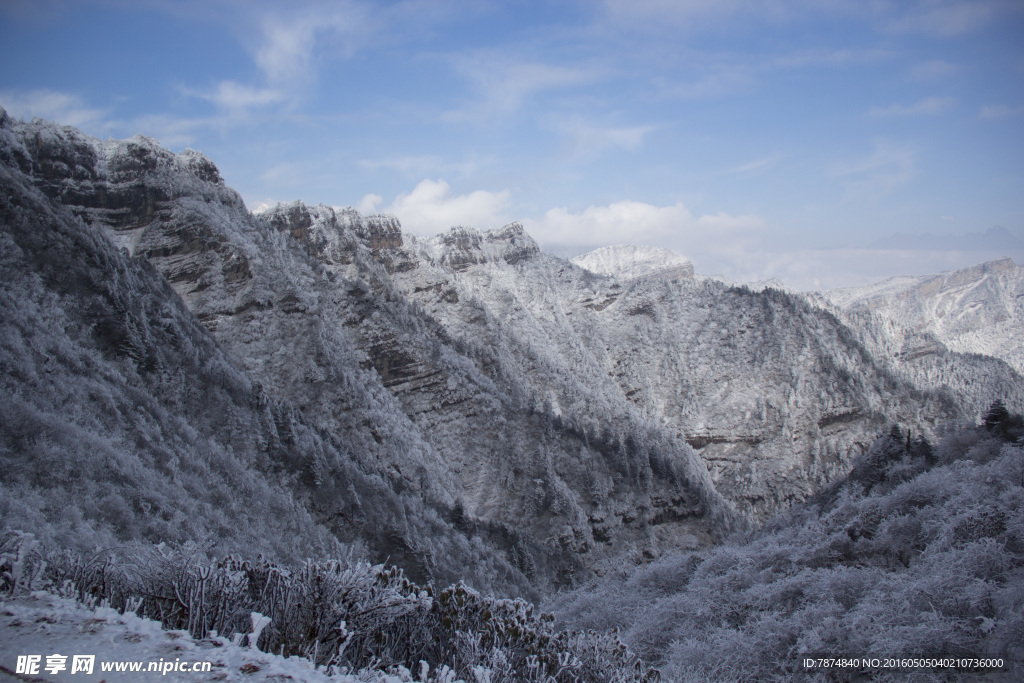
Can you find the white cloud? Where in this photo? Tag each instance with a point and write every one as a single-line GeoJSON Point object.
{"type": "Point", "coordinates": [722, 224]}
{"type": "Point", "coordinates": [63, 108]}
{"type": "Point", "coordinates": [926, 107]}
{"type": "Point", "coordinates": [234, 96]}
{"type": "Point", "coordinates": [235, 100]}
{"type": "Point", "coordinates": [432, 208]}
{"type": "Point", "coordinates": [885, 170]}
{"type": "Point", "coordinates": [762, 164]}
{"type": "Point", "coordinates": [369, 204]}
{"type": "Point", "coordinates": [621, 222]}
{"type": "Point", "coordinates": [587, 141]}
{"type": "Point", "coordinates": [999, 111]}
{"type": "Point", "coordinates": [735, 247]}
{"type": "Point", "coordinates": [632, 222]}
{"type": "Point", "coordinates": [288, 50]}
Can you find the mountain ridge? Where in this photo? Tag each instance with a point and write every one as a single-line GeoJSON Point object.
{"type": "Point", "coordinates": [979, 309]}
{"type": "Point", "coordinates": [629, 262]}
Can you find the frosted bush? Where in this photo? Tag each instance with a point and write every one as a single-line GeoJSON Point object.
{"type": "Point", "coordinates": [343, 615]}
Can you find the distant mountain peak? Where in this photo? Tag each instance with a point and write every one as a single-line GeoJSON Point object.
{"type": "Point", "coordinates": [461, 246]}
{"type": "Point", "coordinates": [631, 261]}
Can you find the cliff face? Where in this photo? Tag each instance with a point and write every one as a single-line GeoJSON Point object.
{"type": "Point", "coordinates": [124, 419]}
{"type": "Point", "coordinates": [464, 402]}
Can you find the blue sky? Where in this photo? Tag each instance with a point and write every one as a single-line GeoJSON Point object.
{"type": "Point", "coordinates": [821, 142]}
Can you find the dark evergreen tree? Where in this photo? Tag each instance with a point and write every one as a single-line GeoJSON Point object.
{"type": "Point", "coordinates": [997, 417]}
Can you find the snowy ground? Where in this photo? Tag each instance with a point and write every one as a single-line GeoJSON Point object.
{"type": "Point", "coordinates": [44, 624]}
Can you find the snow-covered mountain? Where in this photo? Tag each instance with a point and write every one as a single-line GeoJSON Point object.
{"type": "Point", "coordinates": [465, 403]}
{"type": "Point", "coordinates": [973, 310]}
{"type": "Point", "coordinates": [629, 262]}
{"type": "Point", "coordinates": [214, 357]}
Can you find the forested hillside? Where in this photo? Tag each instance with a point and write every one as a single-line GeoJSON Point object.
{"type": "Point", "coordinates": [919, 552]}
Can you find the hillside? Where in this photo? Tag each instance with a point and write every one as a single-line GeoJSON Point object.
{"type": "Point", "coordinates": [916, 554]}
{"type": "Point", "coordinates": [973, 310]}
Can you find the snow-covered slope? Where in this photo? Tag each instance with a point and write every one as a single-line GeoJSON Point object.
{"type": "Point", "coordinates": [124, 418]}
{"type": "Point", "coordinates": [391, 433]}
{"type": "Point", "coordinates": [628, 262]}
{"type": "Point", "coordinates": [974, 310]}
{"type": "Point", "coordinates": [775, 396]}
